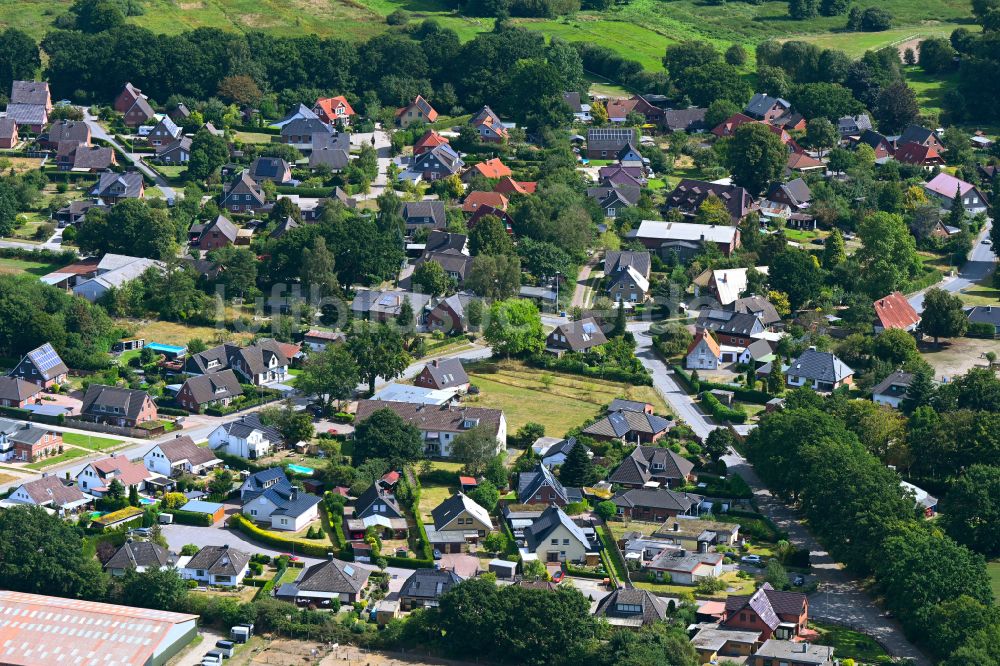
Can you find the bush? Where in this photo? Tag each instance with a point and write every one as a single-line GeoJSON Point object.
{"type": "Point", "coordinates": [720, 411]}
{"type": "Point", "coordinates": [875, 19]}
{"type": "Point", "coordinates": [606, 509]}
{"type": "Point", "coordinates": [980, 329]}
{"type": "Point", "coordinates": [343, 417]}
{"type": "Point", "coordinates": [280, 542]}
{"type": "Point", "coordinates": [741, 393]}
{"type": "Point", "coordinates": [182, 517]}
{"type": "Point", "coordinates": [189, 549]}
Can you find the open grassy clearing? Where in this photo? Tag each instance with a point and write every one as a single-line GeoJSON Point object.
{"type": "Point", "coordinates": [993, 569]}
{"type": "Point", "coordinates": [958, 356]}
{"type": "Point", "coordinates": [849, 644]}
{"type": "Point", "coordinates": [982, 293]}
{"type": "Point", "coordinates": [856, 43]}
{"type": "Point", "coordinates": [557, 401]}
{"type": "Point", "coordinates": [19, 164]}
{"type": "Point", "coordinates": [253, 137]}
{"type": "Point", "coordinates": [38, 268]}
{"type": "Point", "coordinates": [91, 442]}
{"type": "Point", "coordinates": [175, 333]}
{"type": "Point", "coordinates": [65, 456]}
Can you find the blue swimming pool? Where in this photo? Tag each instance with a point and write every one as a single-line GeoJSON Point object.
{"type": "Point", "coordinates": [146, 501]}
{"type": "Point", "coordinates": [301, 469]}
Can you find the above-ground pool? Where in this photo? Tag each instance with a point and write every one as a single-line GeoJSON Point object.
{"type": "Point", "coordinates": [301, 469]}
{"type": "Point", "coordinates": [146, 501]}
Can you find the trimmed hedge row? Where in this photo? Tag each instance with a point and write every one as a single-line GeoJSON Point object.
{"type": "Point", "coordinates": [182, 517]}
{"type": "Point", "coordinates": [318, 192]}
{"type": "Point", "coordinates": [740, 392]}
{"type": "Point", "coordinates": [268, 586]}
{"type": "Point", "coordinates": [239, 522]}
{"type": "Point", "coordinates": [25, 415]}
{"type": "Point", "coordinates": [575, 367]}
{"type": "Point", "coordinates": [67, 256]}
{"type": "Point", "coordinates": [721, 412]}
{"type": "Point", "coordinates": [172, 411]}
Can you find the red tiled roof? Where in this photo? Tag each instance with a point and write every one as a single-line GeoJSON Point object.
{"type": "Point", "coordinates": [493, 168]}
{"type": "Point", "coordinates": [508, 185]}
{"type": "Point", "coordinates": [894, 311]}
{"type": "Point", "coordinates": [914, 153]}
{"type": "Point", "coordinates": [467, 481]}
{"type": "Point", "coordinates": [704, 334]}
{"type": "Point", "coordinates": [330, 104]}
{"type": "Point", "coordinates": [798, 161]}
{"type": "Point", "coordinates": [429, 140]}
{"type": "Point", "coordinates": [476, 199]}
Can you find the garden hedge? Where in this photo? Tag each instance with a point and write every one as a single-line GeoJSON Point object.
{"type": "Point", "coordinates": [182, 517]}
{"type": "Point", "coordinates": [720, 411]}
{"type": "Point", "coordinates": [741, 393]}
{"type": "Point", "coordinates": [279, 541]}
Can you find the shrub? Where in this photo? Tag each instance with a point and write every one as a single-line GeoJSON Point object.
{"type": "Point", "coordinates": [980, 329]}
{"type": "Point", "coordinates": [720, 411]}
{"type": "Point", "coordinates": [190, 549]}
{"type": "Point", "coordinates": [710, 585]}
{"type": "Point", "coordinates": [182, 517]}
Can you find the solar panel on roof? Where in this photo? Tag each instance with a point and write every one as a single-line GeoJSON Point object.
{"type": "Point", "coordinates": [349, 570]}
{"type": "Point", "coordinates": [45, 358]}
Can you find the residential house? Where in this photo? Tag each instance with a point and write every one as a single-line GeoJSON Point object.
{"type": "Point", "coordinates": [686, 568]}
{"type": "Point", "coordinates": [575, 336]}
{"type": "Point", "coordinates": [627, 426]}
{"type": "Point", "coordinates": [984, 314]}
{"type": "Point", "coordinates": [492, 168]}
{"type": "Point", "coordinates": [766, 108]}
{"type": "Point", "coordinates": [883, 147]}
{"type": "Point", "coordinates": [126, 98]}
{"type": "Point", "coordinates": [704, 352]}
{"type": "Point", "coordinates": [627, 275]}
{"type": "Point", "coordinates": [771, 612]}
{"type": "Point", "coordinates": [42, 366]}
{"type": "Point", "coordinates": [8, 133]}
{"type": "Point", "coordinates": [139, 556]}
{"type": "Point", "coordinates": [434, 164]}
{"type": "Point", "coordinates": [613, 199]}
{"type": "Point", "coordinates": [32, 117]}
{"type": "Point", "coordinates": [424, 215]}
{"type": "Point", "coordinates": [317, 340]}
{"type": "Point", "coordinates": [75, 131]}
{"type": "Point", "coordinates": [117, 406]}
{"type": "Point", "coordinates": [540, 486]}
{"type": "Point", "coordinates": [440, 425]}
{"type": "Point", "coordinates": [319, 584]}
{"type": "Point", "coordinates": [333, 110]}
{"type": "Point", "coordinates": [489, 126]}
{"type": "Point", "coordinates": [50, 492]}
{"type": "Point", "coordinates": [113, 271]}
{"type": "Point", "coordinates": [756, 353]}
{"type": "Point", "coordinates": [17, 392]}
{"type": "Point", "coordinates": [779, 128]}
{"type": "Point", "coordinates": [430, 139]}
{"type": "Point", "coordinates": [30, 103]}
{"type": "Point", "coordinates": [473, 200]}
{"type": "Point", "coordinates": [179, 456]}
{"type": "Point", "coordinates": [202, 391]}
{"type": "Point", "coordinates": [632, 608]}
{"type": "Point", "coordinates": [92, 159]}
{"type": "Point", "coordinates": [330, 150]}
{"type": "Point", "coordinates": [425, 587]}
{"type": "Point", "coordinates": [580, 110]}
{"type": "Point", "coordinates": [654, 504]}
{"type": "Point", "coordinates": [683, 239]}
{"type": "Point", "coordinates": [920, 136]}
{"type": "Point", "coordinates": [444, 373]}
{"type": "Point", "coordinates": [735, 329]}
{"type": "Point", "coordinates": [96, 477]}
{"type": "Point", "coordinates": [242, 194]}
{"type": "Point", "coordinates": [914, 153]}
{"type": "Point", "coordinates": [924, 501]}
{"type": "Point", "coordinates": [622, 405]}
{"type": "Point", "coordinates": [164, 132]}
{"type": "Point", "coordinates": [714, 645]}
{"type": "Point", "coordinates": [554, 450]}
{"type": "Point", "coordinates": [417, 111]}
{"type": "Point", "coordinates": [261, 363]}
{"type": "Point", "coordinates": [822, 371]}
{"type": "Point", "coordinates": [258, 482]}
{"type": "Point", "coordinates": [943, 187]}
{"type": "Point", "coordinates": [697, 534]}
{"type": "Point", "coordinates": [274, 169]}
{"type": "Point", "coordinates": [690, 194]}
{"type": "Point", "coordinates": [690, 120]}
{"type": "Point", "coordinates": [179, 113]}
{"type": "Point", "coordinates": [458, 520]}
{"type": "Point", "coordinates": [282, 506]}
{"type": "Point", "coordinates": [376, 507]}
{"type": "Point", "coordinates": [554, 537]}
{"type": "Point", "coordinates": [448, 316]}
{"type": "Point", "coordinates": [26, 442]}
{"type": "Point", "coordinates": [803, 163]}
{"type": "Point", "coordinates": [894, 311]}
{"type": "Point", "coordinates": [619, 110]}
{"type": "Point", "coordinates": [618, 174]}
{"type": "Point", "coordinates": [385, 305]}
{"type": "Point", "coordinates": [652, 464]}
{"type": "Point", "coordinates": [853, 125]}
{"type": "Point", "coordinates": [606, 143]}
{"type": "Point", "coordinates": [218, 233]}
{"type": "Point", "coordinates": [630, 157]}
{"type": "Point", "coordinates": [114, 187]}
{"type": "Point", "coordinates": [217, 566]}
{"type": "Point", "coordinates": [299, 133]}
{"type": "Point", "coordinates": [301, 112]}
{"type": "Point", "coordinates": [485, 210]}
{"type": "Point", "coordinates": [74, 212]}
{"type": "Point", "coordinates": [891, 391]}
{"type": "Point", "coordinates": [509, 187]}
{"type": "Point", "coordinates": [758, 306]}
{"type": "Point", "coordinates": [791, 653]}
{"type": "Point", "coordinates": [785, 198]}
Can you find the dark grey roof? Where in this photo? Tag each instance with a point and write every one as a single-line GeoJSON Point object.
{"type": "Point", "coordinates": [690, 194]}
{"type": "Point", "coordinates": [421, 209]}
{"type": "Point", "coordinates": [69, 130]}
{"type": "Point", "coordinates": [293, 503]}
{"type": "Point", "coordinates": [459, 503]}
{"type": "Point", "coordinates": [538, 532]}
{"type": "Point", "coordinates": [306, 127]}
{"type": "Point", "coordinates": [429, 583]}
{"type": "Point", "coordinates": [182, 448]}
{"type": "Point", "coordinates": [657, 498]}
{"type": "Point", "coordinates": [16, 389]}
{"type": "Point", "coordinates": [216, 386]}
{"type": "Point", "coordinates": [131, 180]}
{"type": "Point", "coordinates": [529, 483]}
{"type": "Point", "coordinates": [563, 446]}
{"type": "Point", "coordinates": [797, 652]}
{"type": "Point", "coordinates": [620, 424]}
{"type": "Point", "coordinates": [580, 335]}
{"type": "Point", "coordinates": [30, 92]}
{"type": "Point", "coordinates": [222, 225]}
{"type": "Point", "coordinates": [284, 227]}
{"type": "Point", "coordinates": [759, 306]}
{"type": "Point", "coordinates": [894, 385]}
{"type": "Point", "coordinates": [819, 366]}
{"type": "Point", "coordinates": [369, 504]}
{"type": "Point", "coordinates": [143, 104]}
{"type": "Point", "coordinates": [333, 577]}
{"type": "Point", "coordinates": [607, 195]}
{"type": "Point", "coordinates": [167, 125]}
{"type": "Point", "coordinates": [758, 349]}
{"type": "Point", "coordinates": [7, 127]}
{"type": "Point", "coordinates": [622, 405]}
{"type": "Point", "coordinates": [854, 124]}
{"type": "Point", "coordinates": [181, 143]}
{"type": "Point", "coordinates": [761, 103]}
{"type": "Point", "coordinates": [572, 99]}
{"type": "Point", "coordinates": [99, 398]}
{"type": "Point", "coordinates": [442, 241]}
{"type": "Point", "coordinates": [915, 134]}
{"type": "Point", "coordinates": [219, 560]}
{"type": "Point", "coordinates": [610, 139]}
{"type": "Point", "coordinates": [687, 120]}
{"type": "Point", "coordinates": [249, 423]}
{"type": "Point", "coordinates": [46, 360]}
{"type": "Point", "coordinates": [27, 114]}
{"type": "Point", "coordinates": [620, 604]}
{"type": "Point", "coordinates": [796, 190]}
{"type": "Point", "coordinates": [984, 314]}
{"type": "Point", "coordinates": [637, 468]}
{"type": "Point", "coordinates": [452, 261]}
{"type": "Point", "coordinates": [270, 168]}
{"type": "Point", "coordinates": [442, 155]}
{"type": "Point", "coordinates": [873, 138]}
{"type": "Point", "coordinates": [615, 260]}
{"type": "Point", "coordinates": [134, 554]}
{"type": "Point", "coordinates": [447, 372]}
{"type": "Point", "coordinates": [93, 157]}
{"type": "Point", "coordinates": [731, 323]}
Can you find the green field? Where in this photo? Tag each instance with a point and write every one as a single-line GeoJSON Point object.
{"type": "Point", "coordinates": [91, 442]}
{"type": "Point", "coordinates": [993, 568]}
{"type": "Point", "coordinates": [65, 456]}
{"type": "Point", "coordinates": [849, 644]}
{"type": "Point", "coordinates": [639, 30]}
{"type": "Point", "coordinates": [39, 268]}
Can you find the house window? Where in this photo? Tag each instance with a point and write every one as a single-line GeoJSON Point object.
{"type": "Point", "coordinates": [565, 542]}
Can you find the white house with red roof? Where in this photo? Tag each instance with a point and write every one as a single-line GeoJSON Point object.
{"type": "Point", "coordinates": [894, 311]}
{"type": "Point", "coordinates": [942, 189]}
{"type": "Point", "coordinates": [96, 477]}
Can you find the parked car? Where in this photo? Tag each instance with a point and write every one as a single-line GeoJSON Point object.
{"type": "Point", "coordinates": [751, 559]}
{"type": "Point", "coordinates": [799, 580]}
{"type": "Point", "coordinates": [437, 554]}
{"type": "Point", "coordinates": [558, 577]}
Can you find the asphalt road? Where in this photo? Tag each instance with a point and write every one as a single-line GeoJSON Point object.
{"type": "Point", "coordinates": [97, 131]}
{"type": "Point", "coordinates": [982, 261]}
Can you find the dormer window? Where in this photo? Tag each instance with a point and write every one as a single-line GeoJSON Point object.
{"type": "Point", "coordinates": [470, 423]}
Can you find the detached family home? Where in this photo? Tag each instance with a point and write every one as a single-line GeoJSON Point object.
{"type": "Point", "coordinates": [279, 504]}
{"type": "Point", "coordinates": [321, 583]}
{"type": "Point", "coordinates": [627, 275]}
{"type": "Point", "coordinates": [424, 215]}
{"type": "Point", "coordinates": [425, 587]}
{"type": "Point", "coordinates": [685, 239]}
{"type": "Point", "coordinates": [456, 521]}
{"type": "Point", "coordinates": [417, 111]}
{"type": "Point", "coordinates": [17, 392]}
{"type": "Point", "coordinates": [772, 612]}
{"type": "Point", "coordinates": [203, 391]}
{"type": "Point", "coordinates": [685, 568]}
{"type": "Point", "coordinates": [139, 556]}
{"type": "Point", "coordinates": [376, 507]}
{"type": "Point", "coordinates": [216, 565]}
{"type": "Point", "coordinates": [943, 187]}
{"type": "Point", "coordinates": [440, 425]}
{"type": "Point", "coordinates": [164, 132]}
{"type": "Point", "coordinates": [41, 366]}
{"type": "Point", "coordinates": [133, 105]}
{"type": "Point", "coordinates": [891, 391]}
{"type": "Point", "coordinates": [443, 373]}
{"type": "Point", "coordinates": [628, 426]}
{"type": "Point", "coordinates": [245, 437]}
{"type": "Point", "coordinates": [25, 442]}
{"type": "Point", "coordinates": [632, 608]}
{"type": "Point", "coordinates": [704, 352]}
{"type": "Point", "coordinates": [540, 486]}
{"type": "Point", "coordinates": [652, 464]}
{"type": "Point", "coordinates": [114, 187]}
{"type": "Point", "coordinates": [689, 195]}
{"type": "Point", "coordinates": [117, 406]}
{"type": "Point", "coordinates": [575, 336]}
{"type": "Point", "coordinates": [242, 195]}
{"type": "Point", "coordinates": [50, 492]}
{"type": "Point", "coordinates": [179, 456]}
{"type": "Point", "coordinates": [606, 143]}
{"type": "Point", "coordinates": [333, 109]}
{"type": "Point", "coordinates": [260, 364]}
{"type": "Point", "coordinates": [96, 477]}
{"type": "Point", "coordinates": [655, 504]}
{"type": "Point", "coordinates": [894, 311]}
{"type": "Point", "coordinates": [554, 537]}
{"type": "Point", "coordinates": [821, 371]}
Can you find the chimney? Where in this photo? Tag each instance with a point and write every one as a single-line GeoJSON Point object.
{"type": "Point", "coordinates": [434, 363]}
{"type": "Point", "coordinates": [677, 527]}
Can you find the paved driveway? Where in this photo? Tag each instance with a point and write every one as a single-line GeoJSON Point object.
{"type": "Point", "coordinates": [982, 261]}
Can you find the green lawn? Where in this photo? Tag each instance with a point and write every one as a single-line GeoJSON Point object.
{"type": "Point", "coordinates": [91, 442]}
{"type": "Point", "coordinates": [254, 137]}
{"type": "Point", "coordinates": [849, 644]}
{"type": "Point", "coordinates": [993, 568]}
{"type": "Point", "coordinates": [38, 268]}
{"type": "Point", "coordinates": [170, 171]}
{"type": "Point", "coordinates": [929, 89]}
{"type": "Point", "coordinates": [557, 401]}
{"type": "Point", "coordinates": [68, 454]}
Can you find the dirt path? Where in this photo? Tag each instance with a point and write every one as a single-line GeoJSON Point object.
{"type": "Point", "coordinates": [582, 293]}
